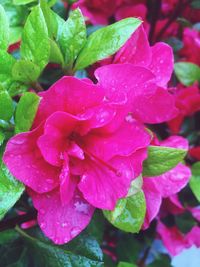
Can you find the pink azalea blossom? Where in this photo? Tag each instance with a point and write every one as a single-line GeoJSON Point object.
{"type": "Point", "coordinates": [100, 12]}
{"type": "Point", "coordinates": [85, 138]}
{"type": "Point", "coordinates": [167, 184]}
{"type": "Point", "coordinates": [191, 46]}
{"type": "Point", "coordinates": [187, 102]}
{"type": "Point", "coordinates": [175, 241]}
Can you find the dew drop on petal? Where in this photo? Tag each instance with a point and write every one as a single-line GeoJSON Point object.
{"type": "Point", "coordinates": [75, 231]}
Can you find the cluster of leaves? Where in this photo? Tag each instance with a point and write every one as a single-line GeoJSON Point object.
{"type": "Point", "coordinates": [48, 38]}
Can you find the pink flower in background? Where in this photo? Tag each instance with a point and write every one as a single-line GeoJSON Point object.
{"type": "Point", "coordinates": [100, 12]}
{"type": "Point", "coordinates": [195, 152]}
{"type": "Point", "coordinates": [191, 46]}
{"type": "Point", "coordinates": [167, 184]}
{"type": "Point", "coordinates": [187, 102]}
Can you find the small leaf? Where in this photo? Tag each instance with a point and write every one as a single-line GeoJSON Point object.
{"type": "Point", "coordinates": [72, 36]}
{"type": "Point", "coordinates": [4, 29]}
{"type": "Point", "coordinates": [10, 192]}
{"type": "Point", "coordinates": [2, 137]}
{"type": "Point", "coordinates": [25, 112]}
{"type": "Point", "coordinates": [15, 34]}
{"type": "Point", "coordinates": [129, 213]}
{"type": "Point", "coordinates": [6, 64]}
{"type": "Point", "coordinates": [6, 106]}
{"type": "Point", "coordinates": [23, 2]}
{"type": "Point", "coordinates": [25, 71]}
{"type": "Point", "coordinates": [106, 41]}
{"type": "Point", "coordinates": [55, 53]}
{"type": "Point", "coordinates": [187, 73]}
{"type": "Point", "coordinates": [195, 180]}
{"type": "Point", "coordinates": [125, 264]}
{"type": "Point", "coordinates": [35, 43]}
{"type": "Point", "coordinates": [162, 159]}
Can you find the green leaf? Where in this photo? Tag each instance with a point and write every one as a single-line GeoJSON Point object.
{"type": "Point", "coordinates": [23, 2]}
{"type": "Point", "coordinates": [35, 42]}
{"type": "Point", "coordinates": [125, 264]}
{"type": "Point", "coordinates": [10, 192]}
{"type": "Point", "coordinates": [128, 248]}
{"type": "Point", "coordinates": [6, 64]}
{"type": "Point", "coordinates": [4, 29]}
{"type": "Point", "coordinates": [25, 112]}
{"type": "Point", "coordinates": [195, 4]}
{"type": "Point", "coordinates": [6, 106]}
{"type": "Point", "coordinates": [162, 159]}
{"type": "Point", "coordinates": [187, 73]}
{"type": "Point", "coordinates": [15, 34]}
{"type": "Point", "coordinates": [129, 213]}
{"type": "Point", "coordinates": [2, 137]}
{"type": "Point", "coordinates": [195, 180]}
{"type": "Point", "coordinates": [87, 253]}
{"type": "Point", "coordinates": [55, 53]}
{"type": "Point", "coordinates": [25, 71]}
{"type": "Point", "coordinates": [73, 36]}
{"type": "Point", "coordinates": [106, 41]}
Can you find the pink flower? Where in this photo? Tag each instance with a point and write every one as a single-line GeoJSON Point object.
{"type": "Point", "coordinates": [191, 46]}
{"type": "Point", "coordinates": [175, 241]}
{"type": "Point", "coordinates": [187, 102]}
{"type": "Point", "coordinates": [167, 184]}
{"type": "Point", "coordinates": [85, 140]}
{"type": "Point", "coordinates": [101, 11]}
{"type": "Point", "coordinates": [195, 152]}
{"type": "Point", "coordinates": [158, 58]}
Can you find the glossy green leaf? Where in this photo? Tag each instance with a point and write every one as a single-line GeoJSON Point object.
{"type": "Point", "coordinates": [129, 213]}
{"type": "Point", "coordinates": [23, 2]}
{"type": "Point", "coordinates": [6, 106]}
{"type": "Point", "coordinates": [195, 180]}
{"type": "Point", "coordinates": [125, 264]}
{"type": "Point", "coordinates": [6, 65]}
{"type": "Point", "coordinates": [72, 36]}
{"type": "Point", "coordinates": [55, 53]}
{"type": "Point", "coordinates": [2, 137]}
{"type": "Point", "coordinates": [106, 41]}
{"type": "Point", "coordinates": [162, 159]}
{"type": "Point", "coordinates": [84, 253]}
{"type": "Point", "coordinates": [4, 29]}
{"type": "Point", "coordinates": [35, 43]}
{"type": "Point", "coordinates": [25, 71]}
{"type": "Point", "coordinates": [15, 34]}
{"type": "Point", "coordinates": [10, 192]}
{"type": "Point", "coordinates": [25, 112]}
{"type": "Point", "coordinates": [187, 73]}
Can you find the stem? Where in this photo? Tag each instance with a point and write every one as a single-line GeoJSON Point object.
{"type": "Point", "coordinates": [154, 18]}
{"type": "Point", "coordinates": [177, 12]}
{"type": "Point", "coordinates": [142, 261]}
{"type": "Point", "coordinates": [37, 87]}
{"type": "Point", "coordinates": [13, 222]}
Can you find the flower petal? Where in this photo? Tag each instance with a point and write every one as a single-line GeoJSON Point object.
{"type": "Point", "coordinates": [119, 143]}
{"type": "Point", "coordinates": [61, 223]}
{"type": "Point", "coordinates": [68, 94]}
{"type": "Point", "coordinates": [162, 63]}
{"type": "Point", "coordinates": [25, 162]}
{"type": "Point", "coordinates": [101, 186]}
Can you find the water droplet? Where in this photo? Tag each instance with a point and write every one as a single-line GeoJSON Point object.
{"type": "Point", "coordinates": [65, 224]}
{"type": "Point", "coordinates": [43, 225]}
{"type": "Point", "coordinates": [75, 231]}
